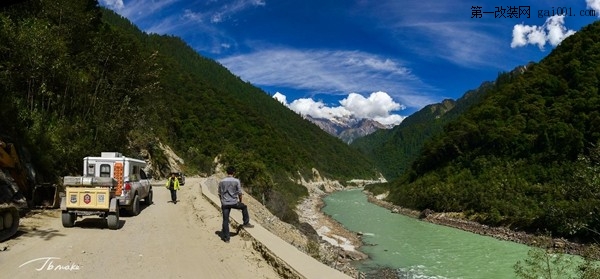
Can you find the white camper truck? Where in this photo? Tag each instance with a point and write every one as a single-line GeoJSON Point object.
{"type": "Point", "coordinates": [132, 181]}
{"type": "Point", "coordinates": [109, 182]}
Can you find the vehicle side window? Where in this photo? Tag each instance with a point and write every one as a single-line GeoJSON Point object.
{"type": "Point", "coordinates": [143, 175]}
{"type": "Point", "coordinates": [105, 170]}
{"type": "Point", "coordinates": [134, 176]}
{"type": "Point", "coordinates": [91, 171]}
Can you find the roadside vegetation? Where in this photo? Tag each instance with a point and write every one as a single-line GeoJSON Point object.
{"type": "Point", "coordinates": [549, 263]}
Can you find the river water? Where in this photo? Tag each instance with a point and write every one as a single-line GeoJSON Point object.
{"type": "Point", "coordinates": [420, 249]}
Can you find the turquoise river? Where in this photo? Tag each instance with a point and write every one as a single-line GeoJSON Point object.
{"type": "Point", "coordinates": [419, 249]}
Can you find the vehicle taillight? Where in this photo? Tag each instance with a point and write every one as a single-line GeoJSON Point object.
{"type": "Point", "coordinates": [127, 186]}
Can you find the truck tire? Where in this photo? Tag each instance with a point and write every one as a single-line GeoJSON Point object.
{"type": "Point", "coordinates": [68, 219]}
{"type": "Point", "coordinates": [9, 221]}
{"type": "Point", "coordinates": [113, 220]}
{"type": "Point", "coordinates": [148, 199]}
{"type": "Point", "coordinates": [135, 207]}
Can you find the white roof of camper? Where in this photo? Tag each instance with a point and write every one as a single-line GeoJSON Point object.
{"type": "Point", "coordinates": [113, 157]}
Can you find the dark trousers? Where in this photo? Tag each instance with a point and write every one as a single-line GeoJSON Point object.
{"type": "Point", "coordinates": [173, 195]}
{"type": "Point", "coordinates": [226, 210]}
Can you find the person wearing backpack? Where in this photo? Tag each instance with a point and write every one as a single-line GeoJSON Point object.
{"type": "Point", "coordinates": [173, 186]}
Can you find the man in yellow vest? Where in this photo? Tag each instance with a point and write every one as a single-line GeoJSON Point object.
{"type": "Point", "coordinates": [173, 186]}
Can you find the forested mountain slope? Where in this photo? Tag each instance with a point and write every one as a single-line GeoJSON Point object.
{"type": "Point", "coordinates": [393, 150]}
{"type": "Point", "coordinates": [76, 80]}
{"type": "Point", "coordinates": [526, 156]}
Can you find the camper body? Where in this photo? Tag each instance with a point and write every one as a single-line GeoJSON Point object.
{"type": "Point", "coordinates": [133, 184]}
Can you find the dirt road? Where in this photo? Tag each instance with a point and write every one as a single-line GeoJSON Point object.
{"type": "Point", "coordinates": [165, 241]}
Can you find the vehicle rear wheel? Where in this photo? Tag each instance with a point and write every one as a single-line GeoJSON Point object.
{"type": "Point", "coordinates": [148, 199]}
{"type": "Point", "coordinates": [113, 220]}
{"type": "Point", "coordinates": [135, 207]}
{"type": "Point", "coordinates": [68, 219]}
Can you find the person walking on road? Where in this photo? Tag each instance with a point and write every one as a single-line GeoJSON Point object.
{"type": "Point", "coordinates": [173, 186]}
{"type": "Point", "coordinates": [230, 193]}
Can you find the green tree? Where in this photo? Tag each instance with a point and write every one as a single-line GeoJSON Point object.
{"type": "Point", "coordinates": [546, 264]}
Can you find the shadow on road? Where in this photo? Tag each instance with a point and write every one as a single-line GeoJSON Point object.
{"type": "Point", "coordinates": [95, 223]}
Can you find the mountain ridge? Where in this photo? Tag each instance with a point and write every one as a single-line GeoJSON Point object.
{"type": "Point", "coordinates": [347, 129]}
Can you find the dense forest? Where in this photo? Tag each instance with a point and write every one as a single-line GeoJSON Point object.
{"type": "Point", "coordinates": [526, 155]}
{"type": "Point", "coordinates": [393, 150]}
{"type": "Point", "coordinates": [77, 79]}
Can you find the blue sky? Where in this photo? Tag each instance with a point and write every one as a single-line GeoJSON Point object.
{"type": "Point", "coordinates": [379, 59]}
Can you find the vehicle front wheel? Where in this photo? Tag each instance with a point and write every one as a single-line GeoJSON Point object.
{"type": "Point", "coordinates": [68, 219]}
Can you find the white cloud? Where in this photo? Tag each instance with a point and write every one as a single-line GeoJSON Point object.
{"type": "Point", "coordinates": [434, 30]}
{"type": "Point", "coordinates": [557, 32]}
{"type": "Point", "coordinates": [199, 19]}
{"type": "Point", "coordinates": [553, 32]}
{"type": "Point", "coordinates": [595, 5]}
{"type": "Point", "coordinates": [378, 106]}
{"type": "Point", "coordinates": [147, 13]}
{"type": "Point", "coordinates": [138, 10]}
{"type": "Point", "coordinates": [281, 98]}
{"type": "Point", "coordinates": [334, 72]}
{"type": "Point", "coordinates": [192, 16]}
{"type": "Point", "coordinates": [227, 10]}
{"type": "Point", "coordinates": [113, 4]}
{"type": "Point", "coordinates": [457, 42]}
{"type": "Point", "coordinates": [392, 119]}
{"type": "Point", "coordinates": [318, 109]}
{"type": "Point", "coordinates": [216, 11]}
{"type": "Point", "coordinates": [259, 2]}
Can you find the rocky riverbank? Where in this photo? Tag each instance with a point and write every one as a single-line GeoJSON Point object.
{"type": "Point", "coordinates": [457, 220]}
{"type": "Point", "coordinates": [320, 236]}
{"type": "Point", "coordinates": [339, 246]}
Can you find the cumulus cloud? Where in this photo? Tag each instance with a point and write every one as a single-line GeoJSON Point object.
{"type": "Point", "coordinates": [378, 106]}
{"type": "Point", "coordinates": [594, 4]}
{"type": "Point", "coordinates": [378, 103]}
{"type": "Point", "coordinates": [318, 109]}
{"type": "Point", "coordinates": [281, 98]}
{"type": "Point", "coordinates": [553, 32]}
